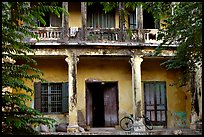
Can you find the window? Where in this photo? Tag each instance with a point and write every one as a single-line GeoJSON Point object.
{"type": "Point", "coordinates": [51, 19]}
{"type": "Point", "coordinates": [133, 19]}
{"type": "Point", "coordinates": [51, 97]}
{"type": "Point", "coordinates": [155, 102]}
{"type": "Point", "coordinates": [96, 17]}
{"type": "Point", "coordinates": [149, 22]}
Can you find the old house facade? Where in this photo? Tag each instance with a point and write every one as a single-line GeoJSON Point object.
{"type": "Point", "coordinates": [94, 67]}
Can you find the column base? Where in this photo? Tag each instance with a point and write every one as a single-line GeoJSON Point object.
{"type": "Point", "coordinates": [196, 126]}
{"type": "Point", "coordinates": [139, 126]}
{"type": "Point", "coordinates": [75, 128]}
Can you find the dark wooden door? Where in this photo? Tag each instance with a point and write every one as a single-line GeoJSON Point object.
{"type": "Point", "coordinates": [155, 102]}
{"type": "Point", "coordinates": [89, 105]}
{"type": "Point", "coordinates": [110, 104]}
{"type": "Point", "coordinates": [102, 104]}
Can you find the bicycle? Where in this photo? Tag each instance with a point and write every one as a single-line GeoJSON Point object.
{"type": "Point", "coordinates": [127, 122]}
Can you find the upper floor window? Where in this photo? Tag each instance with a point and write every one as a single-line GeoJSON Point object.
{"type": "Point", "coordinates": [97, 18]}
{"type": "Point", "coordinates": [148, 20]}
{"type": "Point", "coordinates": [51, 97]}
{"type": "Point", "coordinates": [133, 19]}
{"type": "Point", "coordinates": [51, 19]}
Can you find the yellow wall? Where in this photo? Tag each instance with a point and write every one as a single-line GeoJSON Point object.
{"type": "Point", "coordinates": [75, 14]}
{"type": "Point", "coordinates": [56, 70]}
{"type": "Point", "coordinates": [116, 20]}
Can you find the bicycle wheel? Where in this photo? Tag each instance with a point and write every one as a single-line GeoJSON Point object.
{"type": "Point", "coordinates": [126, 123]}
{"type": "Point", "coordinates": [148, 124]}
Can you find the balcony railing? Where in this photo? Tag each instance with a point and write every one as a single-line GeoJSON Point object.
{"type": "Point", "coordinates": [102, 34]}
{"type": "Point", "coordinates": [96, 35]}
{"type": "Point", "coordinates": [151, 36]}
{"type": "Point", "coordinates": [48, 33]}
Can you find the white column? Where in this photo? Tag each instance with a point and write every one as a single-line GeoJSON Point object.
{"type": "Point", "coordinates": [72, 71]}
{"type": "Point", "coordinates": [136, 61]}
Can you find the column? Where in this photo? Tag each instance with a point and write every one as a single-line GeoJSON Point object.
{"type": "Point", "coordinates": [140, 24]}
{"type": "Point", "coordinates": [65, 22]}
{"type": "Point", "coordinates": [84, 20]}
{"type": "Point", "coordinates": [72, 72]}
{"type": "Point", "coordinates": [136, 61]}
{"type": "Point", "coordinates": [121, 20]}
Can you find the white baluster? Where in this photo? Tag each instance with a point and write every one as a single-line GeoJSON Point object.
{"type": "Point", "coordinates": [54, 34]}
{"type": "Point", "coordinates": [148, 36]}
{"type": "Point", "coordinates": [41, 35]}
{"type": "Point", "coordinates": [116, 36]}
{"type": "Point", "coordinates": [48, 34]}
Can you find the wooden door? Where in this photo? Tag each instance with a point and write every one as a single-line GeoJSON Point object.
{"type": "Point", "coordinates": [102, 104]}
{"type": "Point", "coordinates": [89, 105]}
{"type": "Point", "coordinates": [110, 104]}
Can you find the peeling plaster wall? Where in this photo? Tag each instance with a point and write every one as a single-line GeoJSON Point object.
{"type": "Point", "coordinates": [198, 80]}
{"type": "Point", "coordinates": [199, 89]}
{"type": "Point", "coordinates": [177, 99]}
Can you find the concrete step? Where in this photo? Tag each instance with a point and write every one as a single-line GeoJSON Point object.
{"type": "Point", "coordinates": [113, 131]}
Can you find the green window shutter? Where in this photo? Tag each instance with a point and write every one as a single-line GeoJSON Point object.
{"type": "Point", "coordinates": [65, 95]}
{"type": "Point", "coordinates": [37, 96]}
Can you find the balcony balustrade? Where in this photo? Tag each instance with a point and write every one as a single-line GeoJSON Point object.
{"type": "Point", "coordinates": [48, 33]}
{"type": "Point", "coordinates": [96, 34]}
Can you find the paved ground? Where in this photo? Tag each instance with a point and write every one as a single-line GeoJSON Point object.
{"type": "Point", "coordinates": [113, 131]}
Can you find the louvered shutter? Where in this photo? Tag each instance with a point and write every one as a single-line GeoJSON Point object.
{"type": "Point", "coordinates": [65, 95]}
{"type": "Point", "coordinates": [37, 96]}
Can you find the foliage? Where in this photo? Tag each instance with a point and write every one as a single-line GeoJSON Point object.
{"type": "Point", "coordinates": [182, 26]}
{"type": "Point", "coordinates": [18, 18]}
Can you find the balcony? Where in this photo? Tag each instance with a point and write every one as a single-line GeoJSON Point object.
{"type": "Point", "coordinates": [101, 35]}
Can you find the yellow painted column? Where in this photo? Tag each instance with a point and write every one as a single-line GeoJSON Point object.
{"type": "Point", "coordinates": [72, 71]}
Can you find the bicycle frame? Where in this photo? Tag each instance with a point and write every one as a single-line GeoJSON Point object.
{"type": "Point", "coordinates": [130, 123]}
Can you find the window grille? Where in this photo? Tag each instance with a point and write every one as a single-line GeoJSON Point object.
{"type": "Point", "coordinates": [51, 97]}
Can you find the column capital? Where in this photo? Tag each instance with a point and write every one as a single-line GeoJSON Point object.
{"type": "Point", "coordinates": [136, 59]}
{"type": "Point", "coordinates": [72, 58]}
